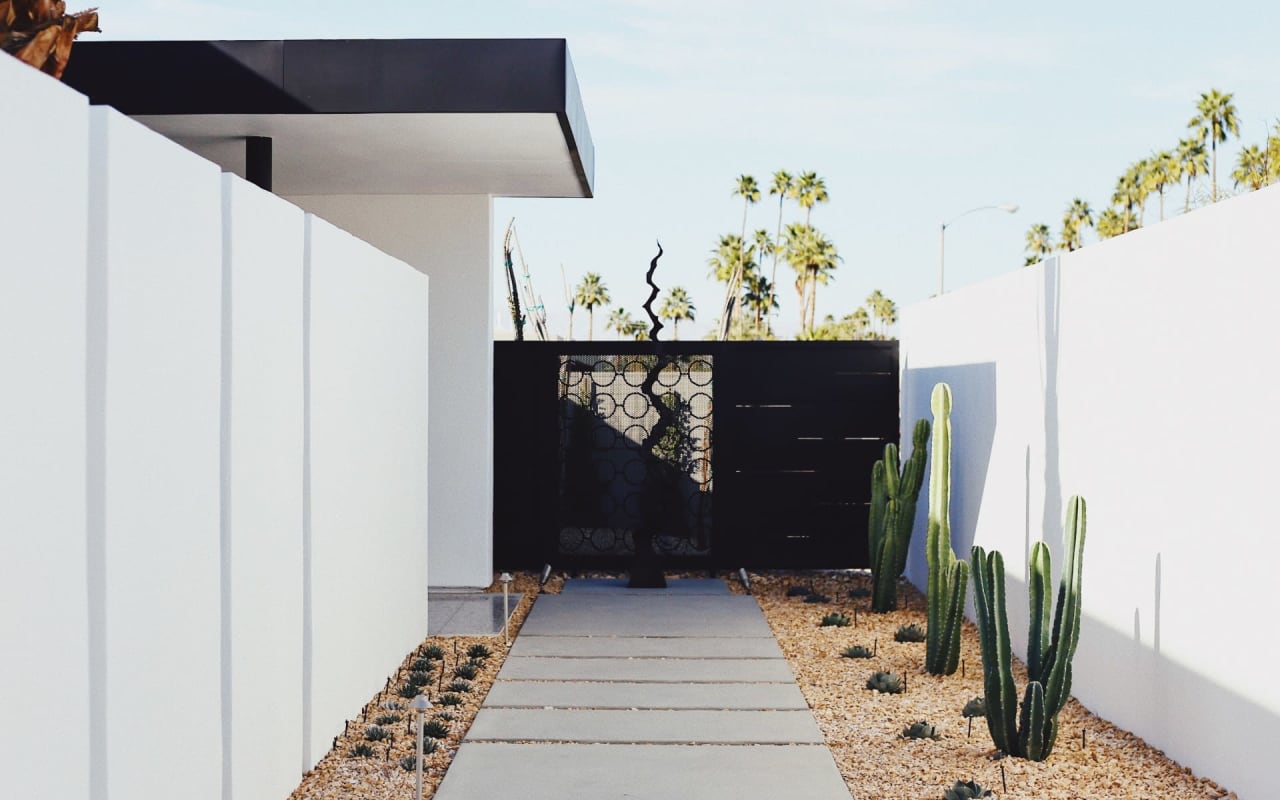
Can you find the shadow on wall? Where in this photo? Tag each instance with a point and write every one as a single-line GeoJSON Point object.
{"type": "Point", "coordinates": [973, 428]}
{"type": "Point", "coordinates": [1049, 318]}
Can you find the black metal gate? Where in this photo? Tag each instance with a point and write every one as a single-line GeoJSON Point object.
{"type": "Point", "coordinates": [782, 434]}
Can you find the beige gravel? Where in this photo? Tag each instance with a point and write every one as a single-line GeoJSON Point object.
{"type": "Point", "coordinates": [860, 726]}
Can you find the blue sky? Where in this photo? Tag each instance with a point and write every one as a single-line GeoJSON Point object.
{"type": "Point", "coordinates": [913, 112]}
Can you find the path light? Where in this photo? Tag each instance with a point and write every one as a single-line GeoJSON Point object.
{"type": "Point", "coordinates": [506, 606]}
{"type": "Point", "coordinates": [1007, 208]}
{"type": "Point", "coordinates": [420, 704]}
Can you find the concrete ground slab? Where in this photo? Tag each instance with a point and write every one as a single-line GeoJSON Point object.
{"type": "Point", "coordinates": [677, 586]}
{"type": "Point", "coordinates": [627, 615]}
{"type": "Point", "coordinates": [643, 647]}
{"type": "Point", "coordinates": [678, 670]}
{"type": "Point", "coordinates": [644, 726]}
{"type": "Point", "coordinates": [466, 614]}
{"type": "Point", "coordinates": [566, 694]}
{"type": "Point", "coordinates": [641, 772]}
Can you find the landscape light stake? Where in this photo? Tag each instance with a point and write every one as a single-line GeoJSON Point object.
{"type": "Point", "coordinates": [506, 606]}
{"type": "Point", "coordinates": [420, 704]}
{"type": "Point", "coordinates": [1003, 783]}
{"type": "Point", "coordinates": [970, 734]}
{"type": "Point", "coordinates": [1083, 741]}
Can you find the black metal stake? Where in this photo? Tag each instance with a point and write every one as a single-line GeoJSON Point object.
{"type": "Point", "coordinates": [970, 735]}
{"type": "Point", "coordinates": [1003, 783]}
{"type": "Point", "coordinates": [962, 668]}
{"type": "Point", "coordinates": [1084, 743]}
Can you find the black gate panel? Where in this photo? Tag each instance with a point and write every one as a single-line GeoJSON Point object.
{"type": "Point", "coordinates": [782, 434]}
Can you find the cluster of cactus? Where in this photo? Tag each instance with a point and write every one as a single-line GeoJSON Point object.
{"type": "Point", "coordinates": [816, 597]}
{"type": "Point", "coordinates": [375, 733]}
{"type": "Point", "coordinates": [449, 699]}
{"type": "Point", "coordinates": [837, 619]}
{"type": "Point", "coordinates": [948, 575]}
{"type": "Point", "coordinates": [909, 633]}
{"type": "Point", "coordinates": [977, 707]}
{"type": "Point", "coordinates": [467, 670]}
{"type": "Point", "coordinates": [965, 790]}
{"type": "Point", "coordinates": [460, 686]}
{"type": "Point", "coordinates": [387, 719]}
{"type": "Point", "coordinates": [1032, 734]}
{"type": "Point", "coordinates": [920, 730]}
{"type": "Point", "coordinates": [894, 492]}
{"type": "Point", "coordinates": [433, 652]}
{"type": "Point", "coordinates": [886, 682]}
{"type": "Point", "coordinates": [361, 750]}
{"type": "Point", "coordinates": [435, 729]}
{"type": "Point", "coordinates": [478, 652]}
{"type": "Point", "coordinates": [856, 651]}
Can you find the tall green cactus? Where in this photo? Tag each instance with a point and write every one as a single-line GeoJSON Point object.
{"type": "Point", "coordinates": [894, 494]}
{"type": "Point", "coordinates": [1032, 733]}
{"type": "Point", "coordinates": [948, 575]}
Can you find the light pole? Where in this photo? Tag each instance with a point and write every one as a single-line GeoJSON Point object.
{"type": "Point", "coordinates": [420, 704]}
{"type": "Point", "coordinates": [942, 236]}
{"type": "Point", "coordinates": [506, 606]}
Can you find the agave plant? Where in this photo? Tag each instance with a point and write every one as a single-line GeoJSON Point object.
{"type": "Point", "coordinates": [965, 790]}
{"type": "Point", "coordinates": [799, 591]}
{"type": "Point", "coordinates": [909, 633]}
{"type": "Point", "coordinates": [836, 619]}
{"type": "Point", "coordinates": [361, 750]}
{"type": "Point", "coordinates": [816, 597]}
{"type": "Point", "coordinates": [478, 652]}
{"type": "Point", "coordinates": [375, 733]}
{"type": "Point", "coordinates": [856, 651]}
{"type": "Point", "coordinates": [460, 686]}
{"type": "Point", "coordinates": [435, 729]}
{"type": "Point", "coordinates": [41, 32]}
{"type": "Point", "coordinates": [977, 707]}
{"type": "Point", "coordinates": [920, 730]}
{"type": "Point", "coordinates": [450, 699]}
{"type": "Point", "coordinates": [886, 682]}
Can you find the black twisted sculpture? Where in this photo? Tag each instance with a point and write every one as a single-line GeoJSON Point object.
{"type": "Point", "coordinates": [646, 571]}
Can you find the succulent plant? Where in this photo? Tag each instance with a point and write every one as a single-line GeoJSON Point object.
{"type": "Point", "coordinates": [799, 591]}
{"type": "Point", "coordinates": [886, 682]}
{"type": "Point", "coordinates": [409, 763]}
{"type": "Point", "coordinates": [435, 729]}
{"type": "Point", "coordinates": [449, 699]}
{"type": "Point", "coordinates": [920, 730]}
{"type": "Point", "coordinates": [837, 619]}
{"type": "Point", "coordinates": [433, 652]}
{"type": "Point", "coordinates": [422, 665]}
{"type": "Point", "coordinates": [859, 592]}
{"type": "Point", "coordinates": [894, 492]}
{"type": "Point", "coordinates": [816, 597]}
{"type": "Point", "coordinates": [977, 707]}
{"type": "Point", "coordinates": [387, 719]}
{"type": "Point", "coordinates": [856, 651]}
{"type": "Point", "coordinates": [965, 790]}
{"type": "Point", "coordinates": [393, 705]}
{"type": "Point", "coordinates": [460, 686]}
{"type": "Point", "coordinates": [467, 670]}
{"type": "Point", "coordinates": [948, 575]}
{"type": "Point", "coordinates": [478, 652]}
{"type": "Point", "coordinates": [446, 716]}
{"type": "Point", "coordinates": [409, 691]}
{"type": "Point", "coordinates": [375, 733]}
{"type": "Point", "coordinates": [909, 633]}
{"type": "Point", "coordinates": [418, 678]}
{"type": "Point", "coordinates": [361, 750]}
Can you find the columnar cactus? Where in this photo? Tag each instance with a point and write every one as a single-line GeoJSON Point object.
{"type": "Point", "coordinates": [1032, 733]}
{"type": "Point", "coordinates": [948, 576]}
{"type": "Point", "coordinates": [894, 494]}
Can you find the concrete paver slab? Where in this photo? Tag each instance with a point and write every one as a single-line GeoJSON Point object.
{"type": "Point", "coordinates": [677, 670]}
{"type": "Point", "coordinates": [629, 615]}
{"type": "Point", "coordinates": [641, 772]}
{"type": "Point", "coordinates": [568, 694]}
{"type": "Point", "coordinates": [643, 647]}
{"type": "Point", "coordinates": [644, 726]}
{"type": "Point", "coordinates": [675, 586]}
{"type": "Point", "coordinates": [466, 614]}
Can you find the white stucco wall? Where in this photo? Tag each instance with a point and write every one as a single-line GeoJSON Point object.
{"type": "Point", "coordinates": [366, 545]}
{"type": "Point", "coordinates": [262, 510]}
{"type": "Point", "coordinates": [43, 594]}
{"type": "Point", "coordinates": [155, 249]}
{"type": "Point", "coordinates": [1138, 373]}
{"type": "Point", "coordinates": [449, 239]}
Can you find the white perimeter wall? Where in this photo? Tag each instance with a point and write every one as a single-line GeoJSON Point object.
{"type": "Point", "coordinates": [1139, 373]}
{"type": "Point", "coordinates": [178, 615]}
{"type": "Point", "coordinates": [448, 238]}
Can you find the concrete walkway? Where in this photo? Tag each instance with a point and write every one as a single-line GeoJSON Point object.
{"type": "Point", "coordinates": [651, 694]}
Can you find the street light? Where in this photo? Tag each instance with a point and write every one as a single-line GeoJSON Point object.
{"type": "Point", "coordinates": [420, 704]}
{"type": "Point", "coordinates": [506, 606]}
{"type": "Point", "coordinates": [942, 235]}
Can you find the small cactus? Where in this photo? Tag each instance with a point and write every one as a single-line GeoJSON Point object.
{"type": "Point", "coordinates": [393, 705]}
{"type": "Point", "coordinates": [409, 691]}
{"type": "Point", "coordinates": [836, 619]}
{"type": "Point", "coordinates": [435, 729]}
{"type": "Point", "coordinates": [419, 678]}
{"type": "Point", "coordinates": [965, 790]}
{"type": "Point", "coordinates": [446, 716]}
{"type": "Point", "coordinates": [422, 665]}
{"type": "Point", "coordinates": [856, 651]}
{"type": "Point", "coordinates": [799, 591]}
{"type": "Point", "coordinates": [375, 733]}
{"type": "Point", "coordinates": [449, 699]}
{"type": "Point", "coordinates": [409, 763]}
{"type": "Point", "coordinates": [977, 707]}
{"type": "Point", "coordinates": [920, 730]}
{"type": "Point", "coordinates": [460, 686]}
{"type": "Point", "coordinates": [361, 750]}
{"type": "Point", "coordinates": [467, 670]}
{"type": "Point", "coordinates": [478, 652]}
{"type": "Point", "coordinates": [816, 597]}
{"type": "Point", "coordinates": [909, 633]}
{"type": "Point", "coordinates": [885, 682]}
{"type": "Point", "coordinates": [433, 652]}
{"type": "Point", "coordinates": [387, 719]}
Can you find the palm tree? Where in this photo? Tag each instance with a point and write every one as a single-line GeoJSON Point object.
{"type": "Point", "coordinates": [729, 253]}
{"type": "Point", "coordinates": [1111, 223]}
{"type": "Point", "coordinates": [809, 190]}
{"type": "Point", "coordinates": [621, 322]}
{"type": "Point", "coordinates": [1077, 217]}
{"type": "Point", "coordinates": [760, 298]}
{"type": "Point", "coordinates": [1162, 170]}
{"type": "Point", "coordinates": [1252, 167]}
{"type": "Point", "coordinates": [813, 256]}
{"type": "Point", "coordinates": [1138, 181]}
{"type": "Point", "coordinates": [1273, 155]}
{"type": "Point", "coordinates": [1192, 161]}
{"type": "Point", "coordinates": [883, 311]}
{"type": "Point", "coordinates": [784, 187]}
{"type": "Point", "coordinates": [589, 294]}
{"type": "Point", "coordinates": [749, 191]}
{"type": "Point", "coordinates": [675, 307]}
{"type": "Point", "coordinates": [1128, 190]}
{"type": "Point", "coordinates": [1039, 243]}
{"type": "Point", "coordinates": [1215, 117]}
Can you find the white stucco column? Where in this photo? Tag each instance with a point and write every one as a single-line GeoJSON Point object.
{"type": "Point", "coordinates": [448, 237]}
